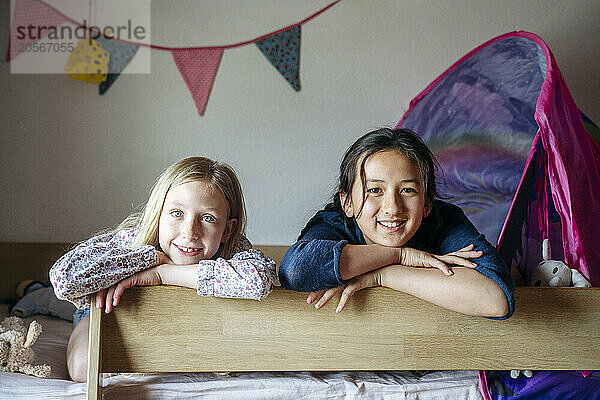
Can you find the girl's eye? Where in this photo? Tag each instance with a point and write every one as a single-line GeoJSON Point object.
{"type": "Point", "coordinates": [208, 218]}
{"type": "Point", "coordinates": [176, 214]}
{"type": "Point", "coordinates": [374, 190]}
{"type": "Point", "coordinates": [409, 190]}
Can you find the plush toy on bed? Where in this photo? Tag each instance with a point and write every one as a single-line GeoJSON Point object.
{"type": "Point", "coordinates": [555, 273]}
{"type": "Point", "coordinates": [552, 273]}
{"type": "Point", "coordinates": [16, 354]}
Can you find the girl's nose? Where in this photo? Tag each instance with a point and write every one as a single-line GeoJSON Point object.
{"type": "Point", "coordinates": [392, 203]}
{"type": "Point", "coordinates": [191, 229]}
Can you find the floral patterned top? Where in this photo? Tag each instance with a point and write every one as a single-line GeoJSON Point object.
{"type": "Point", "coordinates": [106, 259]}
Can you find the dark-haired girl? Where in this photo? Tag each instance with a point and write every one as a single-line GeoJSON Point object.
{"type": "Point", "coordinates": [386, 227]}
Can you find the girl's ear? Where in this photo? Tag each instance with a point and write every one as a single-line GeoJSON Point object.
{"type": "Point", "coordinates": [229, 228]}
{"type": "Point", "coordinates": [346, 204]}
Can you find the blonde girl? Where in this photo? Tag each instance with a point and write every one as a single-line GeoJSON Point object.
{"type": "Point", "coordinates": [190, 233]}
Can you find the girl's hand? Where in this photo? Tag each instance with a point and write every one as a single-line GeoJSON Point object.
{"type": "Point", "coordinates": [110, 297]}
{"type": "Point", "coordinates": [325, 295]}
{"type": "Point", "coordinates": [370, 279]}
{"type": "Point", "coordinates": [417, 258]}
{"type": "Point", "coordinates": [162, 258]}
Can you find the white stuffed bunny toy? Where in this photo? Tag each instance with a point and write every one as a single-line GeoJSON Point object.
{"type": "Point", "coordinates": [552, 273]}
{"type": "Point", "coordinates": [555, 273]}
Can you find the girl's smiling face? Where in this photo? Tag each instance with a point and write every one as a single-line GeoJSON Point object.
{"type": "Point", "coordinates": [193, 223]}
{"type": "Point", "coordinates": [394, 202]}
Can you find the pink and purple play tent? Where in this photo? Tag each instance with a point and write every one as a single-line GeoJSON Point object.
{"type": "Point", "coordinates": [523, 163]}
{"type": "Point", "coordinates": [515, 152]}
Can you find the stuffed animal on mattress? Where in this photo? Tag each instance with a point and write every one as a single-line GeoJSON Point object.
{"type": "Point", "coordinates": [555, 273]}
{"type": "Point", "coordinates": [16, 354]}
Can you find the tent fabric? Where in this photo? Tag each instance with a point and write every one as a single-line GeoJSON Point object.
{"type": "Point", "coordinates": [524, 164]}
{"type": "Point", "coordinates": [490, 118]}
{"type": "Point", "coordinates": [543, 385]}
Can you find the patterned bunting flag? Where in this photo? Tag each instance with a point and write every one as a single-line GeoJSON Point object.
{"type": "Point", "coordinates": [35, 21]}
{"type": "Point", "coordinates": [198, 68]}
{"type": "Point", "coordinates": [120, 55]}
{"type": "Point", "coordinates": [283, 51]}
{"type": "Point", "coordinates": [198, 65]}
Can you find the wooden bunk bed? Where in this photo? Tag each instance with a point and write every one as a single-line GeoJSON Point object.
{"type": "Point", "coordinates": [161, 328]}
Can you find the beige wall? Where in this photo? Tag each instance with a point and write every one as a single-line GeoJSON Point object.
{"type": "Point", "coordinates": [74, 162]}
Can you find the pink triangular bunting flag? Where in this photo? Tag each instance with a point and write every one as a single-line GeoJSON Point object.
{"type": "Point", "coordinates": [32, 21]}
{"type": "Point", "coordinates": [198, 68]}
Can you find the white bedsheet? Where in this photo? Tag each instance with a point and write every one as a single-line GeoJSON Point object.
{"type": "Point", "coordinates": [51, 347]}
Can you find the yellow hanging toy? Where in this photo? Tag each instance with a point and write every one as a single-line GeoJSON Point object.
{"type": "Point", "coordinates": [88, 62]}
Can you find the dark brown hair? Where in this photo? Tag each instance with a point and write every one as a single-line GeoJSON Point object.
{"type": "Point", "coordinates": [405, 141]}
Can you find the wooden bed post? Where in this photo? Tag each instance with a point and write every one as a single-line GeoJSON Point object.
{"type": "Point", "coordinates": [94, 374]}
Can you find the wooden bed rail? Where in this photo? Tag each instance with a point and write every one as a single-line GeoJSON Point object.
{"type": "Point", "coordinates": [160, 329]}
{"type": "Point", "coordinates": [163, 328]}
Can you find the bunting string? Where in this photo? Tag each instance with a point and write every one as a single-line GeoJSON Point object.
{"type": "Point", "coordinates": [198, 65]}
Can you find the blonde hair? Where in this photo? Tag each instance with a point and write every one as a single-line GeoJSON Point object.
{"type": "Point", "coordinates": [219, 176]}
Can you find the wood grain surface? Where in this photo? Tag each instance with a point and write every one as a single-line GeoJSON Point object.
{"type": "Point", "coordinates": [166, 328]}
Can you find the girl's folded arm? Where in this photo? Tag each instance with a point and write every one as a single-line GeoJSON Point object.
{"type": "Point", "coordinates": [247, 275]}
{"type": "Point", "coordinates": [489, 266]}
{"type": "Point", "coordinates": [317, 264]}
{"type": "Point", "coordinates": [324, 256]}
{"type": "Point", "coordinates": [98, 263]}
{"type": "Point", "coordinates": [311, 264]}
{"type": "Point", "coordinates": [467, 291]}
